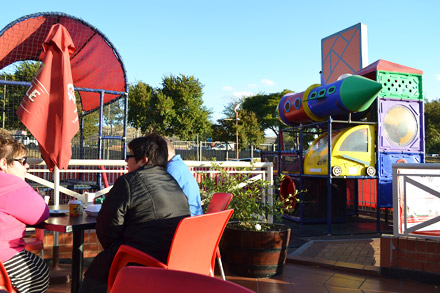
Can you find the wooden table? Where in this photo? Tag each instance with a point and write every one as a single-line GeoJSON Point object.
{"type": "Point", "coordinates": [76, 225]}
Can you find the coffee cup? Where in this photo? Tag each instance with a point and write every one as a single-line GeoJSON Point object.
{"type": "Point", "coordinates": [75, 208]}
{"type": "Point", "coordinates": [88, 198]}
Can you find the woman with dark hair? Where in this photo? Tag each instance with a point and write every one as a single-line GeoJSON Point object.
{"type": "Point", "coordinates": [20, 205]}
{"type": "Point", "coordinates": [142, 210]}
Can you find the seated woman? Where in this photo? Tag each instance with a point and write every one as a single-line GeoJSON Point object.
{"type": "Point", "coordinates": [20, 205]}
{"type": "Point", "coordinates": [142, 210]}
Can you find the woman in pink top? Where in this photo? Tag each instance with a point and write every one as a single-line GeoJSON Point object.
{"type": "Point", "coordinates": [20, 205]}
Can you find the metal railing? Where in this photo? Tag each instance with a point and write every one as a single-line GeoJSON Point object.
{"type": "Point", "coordinates": [416, 200]}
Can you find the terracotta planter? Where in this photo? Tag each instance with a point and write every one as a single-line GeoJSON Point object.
{"type": "Point", "coordinates": [258, 254]}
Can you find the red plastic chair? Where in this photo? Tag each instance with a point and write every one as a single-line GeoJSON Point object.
{"type": "Point", "coordinates": [143, 279]}
{"type": "Point", "coordinates": [35, 243]}
{"type": "Point", "coordinates": [192, 249]}
{"type": "Point", "coordinates": [4, 279]}
{"type": "Point", "coordinates": [219, 202]}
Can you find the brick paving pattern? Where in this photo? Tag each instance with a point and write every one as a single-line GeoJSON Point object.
{"type": "Point", "coordinates": [364, 252]}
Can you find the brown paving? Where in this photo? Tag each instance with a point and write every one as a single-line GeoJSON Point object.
{"type": "Point", "coordinates": [364, 252]}
{"type": "Point", "coordinates": [310, 279]}
{"type": "Point", "coordinates": [341, 265]}
{"type": "Point", "coordinates": [325, 264]}
{"type": "Point", "coordinates": [361, 256]}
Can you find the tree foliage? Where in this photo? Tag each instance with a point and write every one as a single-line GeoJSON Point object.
{"type": "Point", "coordinates": [257, 114]}
{"type": "Point", "coordinates": [223, 130]}
{"type": "Point", "coordinates": [12, 95]}
{"type": "Point", "coordinates": [249, 130]}
{"type": "Point", "coordinates": [175, 109]}
{"type": "Point", "coordinates": [114, 114]}
{"type": "Point", "coordinates": [432, 126]}
{"type": "Point", "coordinates": [90, 125]}
{"type": "Point", "coordinates": [191, 116]}
{"type": "Point", "coordinates": [265, 108]}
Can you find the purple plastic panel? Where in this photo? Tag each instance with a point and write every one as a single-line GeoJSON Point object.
{"type": "Point", "coordinates": [400, 127]}
{"type": "Point", "coordinates": [387, 159]}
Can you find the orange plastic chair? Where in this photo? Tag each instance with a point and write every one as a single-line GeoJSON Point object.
{"type": "Point", "coordinates": [219, 202]}
{"type": "Point", "coordinates": [4, 279]}
{"type": "Point", "coordinates": [192, 249]}
{"type": "Point", "coordinates": [36, 243]}
{"type": "Point", "coordinates": [143, 279]}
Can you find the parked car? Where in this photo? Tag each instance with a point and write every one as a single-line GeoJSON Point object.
{"type": "Point", "coordinates": [223, 146]}
{"type": "Point", "coordinates": [30, 143]}
{"type": "Point", "coordinates": [246, 160]}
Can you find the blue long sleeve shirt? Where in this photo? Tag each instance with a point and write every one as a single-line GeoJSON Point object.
{"type": "Point", "coordinates": [180, 171]}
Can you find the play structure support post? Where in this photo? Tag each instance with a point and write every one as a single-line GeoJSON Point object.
{"type": "Point", "coordinates": [329, 178]}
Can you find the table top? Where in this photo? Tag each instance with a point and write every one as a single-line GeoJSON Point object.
{"type": "Point", "coordinates": [66, 223]}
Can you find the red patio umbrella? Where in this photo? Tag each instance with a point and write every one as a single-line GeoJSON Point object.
{"type": "Point", "coordinates": [49, 109]}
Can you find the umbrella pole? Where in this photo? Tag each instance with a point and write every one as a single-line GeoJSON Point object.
{"type": "Point", "coordinates": [56, 198]}
{"type": "Point", "coordinates": [56, 187]}
{"type": "Point", "coordinates": [55, 252]}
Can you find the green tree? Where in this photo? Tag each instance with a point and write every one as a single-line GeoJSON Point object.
{"type": "Point", "coordinates": [191, 116]}
{"type": "Point", "coordinates": [114, 114]}
{"type": "Point", "coordinates": [12, 95]}
{"type": "Point", "coordinates": [249, 131]}
{"type": "Point", "coordinates": [149, 110]}
{"type": "Point", "coordinates": [222, 131]}
{"type": "Point", "coordinates": [432, 126]}
{"type": "Point", "coordinates": [175, 109]}
{"type": "Point", "coordinates": [26, 71]}
{"type": "Point", "coordinates": [265, 108]}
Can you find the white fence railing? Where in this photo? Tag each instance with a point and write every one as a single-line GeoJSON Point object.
{"type": "Point", "coordinates": [39, 174]}
{"type": "Point", "coordinates": [416, 200]}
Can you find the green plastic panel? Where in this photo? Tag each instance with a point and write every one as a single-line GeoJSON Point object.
{"type": "Point", "coordinates": [400, 85]}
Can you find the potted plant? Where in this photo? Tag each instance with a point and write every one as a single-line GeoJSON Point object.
{"type": "Point", "coordinates": [251, 245]}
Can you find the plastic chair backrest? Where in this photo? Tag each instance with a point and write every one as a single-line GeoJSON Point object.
{"type": "Point", "coordinates": [219, 202]}
{"type": "Point", "coordinates": [4, 279]}
{"type": "Point", "coordinates": [193, 248]}
{"type": "Point", "coordinates": [146, 279]}
{"type": "Point", "coordinates": [195, 242]}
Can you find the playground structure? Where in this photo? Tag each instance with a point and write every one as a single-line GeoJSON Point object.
{"type": "Point", "coordinates": [371, 128]}
{"type": "Point", "coordinates": [97, 69]}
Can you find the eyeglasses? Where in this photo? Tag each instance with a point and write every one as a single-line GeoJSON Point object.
{"type": "Point", "coordinates": [128, 156]}
{"type": "Point", "coordinates": [22, 161]}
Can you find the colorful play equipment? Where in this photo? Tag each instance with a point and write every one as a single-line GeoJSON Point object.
{"type": "Point", "coordinates": [348, 95]}
{"type": "Point", "coordinates": [353, 153]}
{"type": "Point", "coordinates": [364, 143]}
{"type": "Point", "coordinates": [374, 115]}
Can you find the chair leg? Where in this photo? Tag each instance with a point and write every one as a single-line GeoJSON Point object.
{"type": "Point", "coordinates": [220, 266]}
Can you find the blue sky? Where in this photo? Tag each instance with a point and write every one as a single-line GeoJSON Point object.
{"type": "Point", "coordinates": [244, 47]}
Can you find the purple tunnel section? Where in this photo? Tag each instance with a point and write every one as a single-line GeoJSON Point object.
{"type": "Point", "coordinates": [326, 100]}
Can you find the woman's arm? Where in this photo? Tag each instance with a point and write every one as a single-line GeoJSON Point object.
{"type": "Point", "coordinates": [25, 204]}
{"type": "Point", "coordinates": [110, 221]}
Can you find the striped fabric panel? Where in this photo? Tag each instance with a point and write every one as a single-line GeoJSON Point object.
{"type": "Point", "coordinates": [28, 272]}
